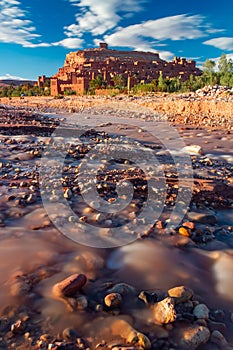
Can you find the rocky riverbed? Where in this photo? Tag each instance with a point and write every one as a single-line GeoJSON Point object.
{"type": "Point", "coordinates": [67, 287]}
{"type": "Point", "coordinates": [210, 107]}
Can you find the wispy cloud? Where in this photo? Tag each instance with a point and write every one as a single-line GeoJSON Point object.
{"type": "Point", "coordinates": [149, 35]}
{"type": "Point", "coordinates": [97, 17]}
{"type": "Point", "coordinates": [14, 26]}
{"type": "Point", "coordinates": [223, 43]}
{"type": "Point", "coordinates": [180, 27]}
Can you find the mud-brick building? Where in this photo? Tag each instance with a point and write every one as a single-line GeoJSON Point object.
{"type": "Point", "coordinates": [42, 80]}
{"type": "Point", "coordinates": [134, 66]}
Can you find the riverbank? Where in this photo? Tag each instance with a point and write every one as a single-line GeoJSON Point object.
{"type": "Point", "coordinates": [190, 109]}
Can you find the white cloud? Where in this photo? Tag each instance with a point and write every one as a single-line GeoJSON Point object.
{"type": "Point", "coordinates": [147, 36]}
{"type": "Point", "coordinates": [70, 43]}
{"type": "Point", "coordinates": [100, 16]}
{"type": "Point", "coordinates": [216, 60]}
{"type": "Point", "coordinates": [12, 77]}
{"type": "Point", "coordinates": [223, 43]}
{"type": "Point", "coordinates": [178, 27]}
{"type": "Point", "coordinates": [14, 27]}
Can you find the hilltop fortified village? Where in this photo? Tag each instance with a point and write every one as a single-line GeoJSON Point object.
{"type": "Point", "coordinates": [134, 66]}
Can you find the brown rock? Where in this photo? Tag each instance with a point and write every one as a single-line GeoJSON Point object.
{"type": "Point", "coordinates": [189, 224]}
{"type": "Point", "coordinates": [69, 286]}
{"type": "Point", "coordinates": [18, 327]}
{"type": "Point", "coordinates": [193, 336]}
{"type": "Point", "coordinates": [138, 339]}
{"type": "Point", "coordinates": [180, 294]}
{"type": "Point", "coordinates": [113, 300]}
{"type": "Point", "coordinates": [164, 311]}
{"type": "Point", "coordinates": [184, 231]}
{"type": "Point", "coordinates": [159, 224]}
{"type": "Point", "coordinates": [123, 329]}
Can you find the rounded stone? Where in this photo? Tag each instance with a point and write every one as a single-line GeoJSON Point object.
{"type": "Point", "coordinates": [189, 224]}
{"type": "Point", "coordinates": [218, 338]}
{"type": "Point", "coordinates": [138, 339]}
{"type": "Point", "coordinates": [201, 311]}
{"type": "Point", "coordinates": [184, 232]}
{"type": "Point", "coordinates": [193, 336]}
{"type": "Point", "coordinates": [113, 300]}
{"type": "Point", "coordinates": [181, 294]}
{"type": "Point", "coordinates": [69, 334]}
{"type": "Point", "coordinates": [69, 286]}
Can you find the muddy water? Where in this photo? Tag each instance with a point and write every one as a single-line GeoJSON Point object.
{"type": "Point", "coordinates": [34, 255]}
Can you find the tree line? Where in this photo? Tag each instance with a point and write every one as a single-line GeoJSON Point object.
{"type": "Point", "coordinates": [27, 89]}
{"type": "Point", "coordinates": [221, 74]}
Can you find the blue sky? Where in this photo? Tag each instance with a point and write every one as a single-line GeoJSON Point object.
{"type": "Point", "coordinates": [35, 35]}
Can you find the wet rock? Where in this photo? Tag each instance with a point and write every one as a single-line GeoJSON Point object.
{"type": "Point", "coordinates": [67, 194]}
{"type": "Point", "coordinates": [216, 326]}
{"type": "Point", "coordinates": [147, 297]}
{"type": "Point", "coordinates": [193, 150]}
{"type": "Point", "coordinates": [160, 225]}
{"type": "Point", "coordinates": [70, 286]}
{"type": "Point", "coordinates": [81, 302]}
{"type": "Point", "coordinates": [122, 288]}
{"type": "Point", "coordinates": [113, 300]}
{"type": "Point", "coordinates": [121, 328]}
{"type": "Point", "coordinates": [180, 294]}
{"type": "Point", "coordinates": [164, 311]}
{"type": "Point", "coordinates": [18, 327]}
{"type": "Point", "coordinates": [139, 339]}
{"type": "Point", "coordinates": [20, 287]}
{"type": "Point", "coordinates": [201, 311]}
{"type": "Point", "coordinates": [202, 217]}
{"type": "Point", "coordinates": [218, 315]}
{"type": "Point", "coordinates": [219, 339]}
{"type": "Point", "coordinates": [183, 231]}
{"type": "Point", "coordinates": [189, 224]}
{"type": "Point", "coordinates": [193, 336]}
{"type": "Point", "coordinates": [69, 334]}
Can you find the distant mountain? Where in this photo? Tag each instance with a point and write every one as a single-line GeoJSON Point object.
{"type": "Point", "coordinates": [15, 82]}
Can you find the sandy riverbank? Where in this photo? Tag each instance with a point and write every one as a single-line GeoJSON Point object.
{"type": "Point", "coordinates": [189, 109]}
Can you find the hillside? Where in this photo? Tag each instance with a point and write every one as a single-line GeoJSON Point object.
{"type": "Point", "coordinates": [7, 82]}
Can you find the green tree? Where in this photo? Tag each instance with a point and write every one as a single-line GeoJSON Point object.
{"type": "Point", "coordinates": [161, 83]}
{"type": "Point", "coordinates": [208, 66]}
{"type": "Point", "coordinates": [224, 65]}
{"type": "Point", "coordinates": [119, 81]}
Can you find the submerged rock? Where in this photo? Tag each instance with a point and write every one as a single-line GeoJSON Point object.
{"type": "Point", "coordinates": [70, 286]}
{"type": "Point", "coordinates": [192, 337]}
